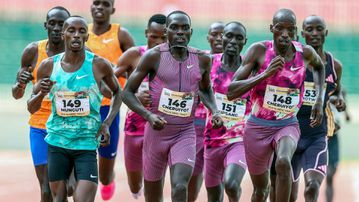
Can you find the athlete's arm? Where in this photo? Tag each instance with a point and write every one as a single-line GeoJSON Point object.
{"type": "Point", "coordinates": [42, 87]}
{"type": "Point", "coordinates": [314, 60]}
{"type": "Point", "coordinates": [126, 40]}
{"type": "Point", "coordinates": [340, 103]}
{"type": "Point", "coordinates": [205, 89]}
{"type": "Point", "coordinates": [241, 83]}
{"type": "Point", "coordinates": [24, 75]}
{"type": "Point", "coordinates": [127, 62]}
{"type": "Point", "coordinates": [148, 64]}
{"type": "Point", "coordinates": [104, 74]}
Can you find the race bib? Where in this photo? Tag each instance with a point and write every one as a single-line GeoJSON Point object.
{"type": "Point", "coordinates": [144, 86]}
{"type": "Point", "coordinates": [310, 94]}
{"type": "Point", "coordinates": [231, 111]}
{"type": "Point", "coordinates": [176, 103]}
{"type": "Point", "coordinates": [281, 99]}
{"type": "Point", "coordinates": [72, 104]}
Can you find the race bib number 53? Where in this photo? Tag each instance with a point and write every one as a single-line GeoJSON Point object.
{"type": "Point", "coordinates": [176, 103]}
{"type": "Point", "coordinates": [72, 104]}
{"type": "Point", "coordinates": [281, 99]}
{"type": "Point", "coordinates": [310, 94]}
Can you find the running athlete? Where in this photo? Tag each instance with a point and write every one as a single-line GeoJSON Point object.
{"type": "Point", "coordinates": [214, 38]}
{"type": "Point", "coordinates": [225, 163]}
{"type": "Point", "coordinates": [73, 80]}
{"type": "Point", "coordinates": [108, 40]}
{"type": "Point", "coordinates": [135, 124]}
{"type": "Point", "coordinates": [177, 74]}
{"type": "Point", "coordinates": [333, 144]}
{"type": "Point", "coordinates": [311, 153]}
{"type": "Point", "coordinates": [274, 73]}
{"type": "Point", "coordinates": [31, 58]}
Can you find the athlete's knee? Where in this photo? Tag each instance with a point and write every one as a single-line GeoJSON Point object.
{"type": "Point", "coordinates": [232, 188]}
{"type": "Point", "coordinates": [261, 194]}
{"type": "Point", "coordinates": [179, 189]}
{"type": "Point", "coordinates": [312, 188]}
{"type": "Point", "coordinates": [283, 167]}
{"type": "Point", "coordinates": [293, 197]}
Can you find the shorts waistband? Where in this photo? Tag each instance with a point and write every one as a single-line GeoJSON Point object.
{"type": "Point", "coordinates": [273, 123]}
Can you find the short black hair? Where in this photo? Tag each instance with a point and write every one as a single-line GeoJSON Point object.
{"type": "Point", "coordinates": [237, 23]}
{"type": "Point", "coordinates": [57, 8]}
{"type": "Point", "coordinates": [66, 23]}
{"type": "Point", "coordinates": [157, 18]}
{"type": "Point", "coordinates": [177, 12]}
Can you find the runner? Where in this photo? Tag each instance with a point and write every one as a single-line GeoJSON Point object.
{"type": "Point", "coordinates": [74, 128]}
{"type": "Point", "coordinates": [225, 163]}
{"type": "Point", "coordinates": [277, 89]}
{"type": "Point", "coordinates": [333, 144]}
{"type": "Point", "coordinates": [177, 74]}
{"type": "Point", "coordinates": [135, 124]}
{"type": "Point", "coordinates": [108, 40]}
{"type": "Point", "coordinates": [31, 58]}
{"type": "Point", "coordinates": [214, 38]}
{"type": "Point", "coordinates": [311, 153]}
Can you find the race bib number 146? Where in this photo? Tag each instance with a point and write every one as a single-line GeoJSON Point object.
{"type": "Point", "coordinates": [176, 103]}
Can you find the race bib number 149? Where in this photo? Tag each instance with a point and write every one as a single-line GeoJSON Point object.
{"type": "Point", "coordinates": [281, 99]}
{"type": "Point", "coordinates": [176, 103]}
{"type": "Point", "coordinates": [72, 104]}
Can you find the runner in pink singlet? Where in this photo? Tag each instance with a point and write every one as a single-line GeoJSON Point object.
{"type": "Point", "coordinates": [225, 162]}
{"type": "Point", "coordinates": [274, 73]}
{"type": "Point", "coordinates": [134, 123]}
{"type": "Point", "coordinates": [214, 38]}
{"type": "Point", "coordinates": [177, 75]}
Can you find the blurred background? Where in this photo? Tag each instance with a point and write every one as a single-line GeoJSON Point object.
{"type": "Point", "coordinates": [21, 22]}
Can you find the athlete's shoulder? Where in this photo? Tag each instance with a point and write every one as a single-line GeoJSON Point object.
{"type": "Point", "coordinates": [336, 62]}
{"type": "Point", "coordinates": [31, 48]}
{"type": "Point", "coordinates": [100, 61]}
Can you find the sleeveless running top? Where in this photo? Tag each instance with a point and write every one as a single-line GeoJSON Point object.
{"type": "Point", "coordinates": [39, 118]}
{"type": "Point", "coordinates": [174, 89]}
{"type": "Point", "coordinates": [280, 96]}
{"type": "Point", "coordinates": [76, 100]}
{"type": "Point", "coordinates": [106, 45]}
{"type": "Point", "coordinates": [134, 123]}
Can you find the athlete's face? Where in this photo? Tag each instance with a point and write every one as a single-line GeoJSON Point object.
{"type": "Point", "coordinates": [214, 38]}
{"type": "Point", "coordinates": [155, 34]}
{"type": "Point", "coordinates": [101, 10]}
{"type": "Point", "coordinates": [314, 32]}
{"type": "Point", "coordinates": [179, 30]}
{"type": "Point", "coordinates": [75, 34]}
{"type": "Point", "coordinates": [234, 38]}
{"type": "Point", "coordinates": [54, 23]}
{"type": "Point", "coordinates": [284, 32]}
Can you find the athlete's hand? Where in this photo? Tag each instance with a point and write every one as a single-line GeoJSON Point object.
{"type": "Point", "coordinates": [46, 85]}
{"type": "Point", "coordinates": [275, 65]}
{"type": "Point", "coordinates": [103, 135]}
{"type": "Point", "coordinates": [144, 97]}
{"type": "Point", "coordinates": [217, 121]}
{"type": "Point", "coordinates": [157, 122]}
{"type": "Point", "coordinates": [317, 115]}
{"type": "Point", "coordinates": [338, 102]}
{"type": "Point", "coordinates": [26, 76]}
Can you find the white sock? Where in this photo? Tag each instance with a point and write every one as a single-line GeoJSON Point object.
{"type": "Point", "coordinates": [138, 194]}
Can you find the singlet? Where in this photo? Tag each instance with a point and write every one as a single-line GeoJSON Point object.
{"type": "Point", "coordinates": [39, 118]}
{"type": "Point", "coordinates": [106, 45]}
{"type": "Point", "coordinates": [174, 89]}
{"type": "Point", "coordinates": [76, 101]}
{"type": "Point", "coordinates": [280, 96]}
{"type": "Point", "coordinates": [232, 112]}
{"type": "Point", "coordinates": [134, 123]}
{"type": "Point", "coordinates": [310, 96]}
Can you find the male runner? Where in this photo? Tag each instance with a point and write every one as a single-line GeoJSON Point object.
{"type": "Point", "coordinates": [108, 40]}
{"type": "Point", "coordinates": [135, 124]}
{"type": "Point", "coordinates": [214, 38]}
{"type": "Point", "coordinates": [73, 81]}
{"type": "Point", "coordinates": [225, 163]}
{"type": "Point", "coordinates": [311, 153]}
{"type": "Point", "coordinates": [31, 58]}
{"type": "Point", "coordinates": [177, 74]}
{"type": "Point", "coordinates": [277, 87]}
{"type": "Point", "coordinates": [333, 143]}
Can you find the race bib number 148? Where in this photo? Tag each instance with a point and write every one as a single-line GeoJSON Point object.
{"type": "Point", "coordinates": [281, 99]}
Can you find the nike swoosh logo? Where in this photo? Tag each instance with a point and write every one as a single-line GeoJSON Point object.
{"type": "Point", "coordinates": [113, 154]}
{"type": "Point", "coordinates": [80, 77]}
{"type": "Point", "coordinates": [294, 68]}
{"type": "Point", "coordinates": [189, 66]}
{"type": "Point", "coordinates": [190, 160]}
{"type": "Point", "coordinates": [107, 40]}
{"type": "Point", "coordinates": [93, 176]}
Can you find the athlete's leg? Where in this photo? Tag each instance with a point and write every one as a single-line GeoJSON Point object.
{"type": "Point", "coordinates": [215, 193]}
{"type": "Point", "coordinates": [285, 149]}
{"type": "Point", "coordinates": [180, 176]}
{"type": "Point", "coordinates": [154, 190]}
{"type": "Point", "coordinates": [194, 186]}
{"type": "Point", "coordinates": [85, 191]}
{"type": "Point", "coordinates": [313, 180]}
{"type": "Point", "coordinates": [273, 177]}
{"type": "Point", "coordinates": [233, 175]}
{"type": "Point", "coordinates": [294, 193]}
{"type": "Point", "coordinates": [39, 155]}
{"type": "Point", "coordinates": [260, 187]}
{"type": "Point", "coordinates": [333, 152]}
{"type": "Point", "coordinates": [213, 172]}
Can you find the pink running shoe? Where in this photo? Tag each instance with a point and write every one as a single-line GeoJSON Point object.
{"type": "Point", "coordinates": [107, 191]}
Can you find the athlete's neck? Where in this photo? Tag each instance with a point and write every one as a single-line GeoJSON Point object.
{"type": "Point", "coordinates": [73, 60]}
{"type": "Point", "coordinates": [101, 27]}
{"type": "Point", "coordinates": [179, 53]}
{"type": "Point", "coordinates": [53, 49]}
{"type": "Point", "coordinates": [231, 62]}
{"type": "Point", "coordinates": [286, 52]}
{"type": "Point", "coordinates": [320, 52]}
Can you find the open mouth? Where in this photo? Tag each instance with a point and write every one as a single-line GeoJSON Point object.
{"type": "Point", "coordinates": [76, 44]}
{"type": "Point", "coordinates": [180, 40]}
{"type": "Point", "coordinates": [99, 14]}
